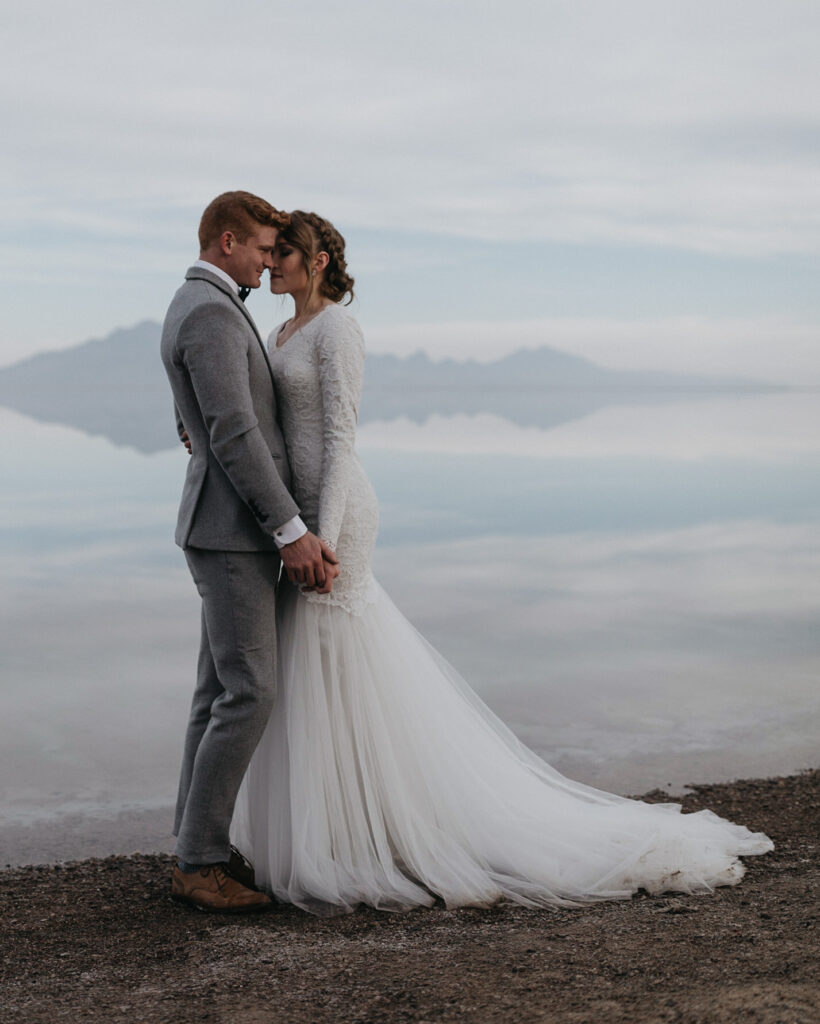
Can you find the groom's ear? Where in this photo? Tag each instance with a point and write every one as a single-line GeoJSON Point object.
{"type": "Point", "coordinates": [227, 240]}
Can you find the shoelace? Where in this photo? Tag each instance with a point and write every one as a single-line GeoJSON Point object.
{"type": "Point", "coordinates": [221, 876]}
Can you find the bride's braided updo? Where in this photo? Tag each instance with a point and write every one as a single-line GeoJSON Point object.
{"type": "Point", "coordinates": [312, 234]}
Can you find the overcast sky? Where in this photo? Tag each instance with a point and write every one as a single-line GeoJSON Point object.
{"type": "Point", "coordinates": [635, 181]}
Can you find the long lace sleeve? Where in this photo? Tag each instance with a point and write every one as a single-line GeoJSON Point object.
{"type": "Point", "coordinates": [341, 369]}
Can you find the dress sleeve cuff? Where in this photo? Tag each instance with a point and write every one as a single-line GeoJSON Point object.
{"type": "Point", "coordinates": [290, 531]}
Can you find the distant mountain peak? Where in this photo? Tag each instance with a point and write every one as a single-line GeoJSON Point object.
{"type": "Point", "coordinates": [116, 387]}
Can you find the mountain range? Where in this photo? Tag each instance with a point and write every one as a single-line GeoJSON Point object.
{"type": "Point", "coordinates": [115, 387]}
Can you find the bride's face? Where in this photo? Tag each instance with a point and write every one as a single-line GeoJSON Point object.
{"type": "Point", "coordinates": [288, 274]}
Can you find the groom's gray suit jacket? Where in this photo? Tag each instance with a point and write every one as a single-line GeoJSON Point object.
{"type": "Point", "coordinates": [236, 488]}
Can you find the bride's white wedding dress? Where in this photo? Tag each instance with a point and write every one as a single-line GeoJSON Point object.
{"type": "Point", "coordinates": [382, 778]}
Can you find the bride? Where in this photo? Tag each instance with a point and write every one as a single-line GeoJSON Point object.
{"type": "Point", "coordinates": [382, 778]}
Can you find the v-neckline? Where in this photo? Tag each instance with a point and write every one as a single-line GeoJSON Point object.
{"type": "Point", "coordinates": [300, 328]}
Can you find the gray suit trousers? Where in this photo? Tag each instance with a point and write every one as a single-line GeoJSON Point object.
{"type": "Point", "coordinates": [235, 690]}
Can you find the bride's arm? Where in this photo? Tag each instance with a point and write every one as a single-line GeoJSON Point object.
{"type": "Point", "coordinates": [341, 369]}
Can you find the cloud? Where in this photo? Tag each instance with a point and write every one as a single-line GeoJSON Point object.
{"type": "Point", "coordinates": [637, 126]}
{"type": "Point", "coordinates": [641, 123]}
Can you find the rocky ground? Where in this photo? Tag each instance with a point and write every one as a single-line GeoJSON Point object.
{"type": "Point", "coordinates": [100, 941]}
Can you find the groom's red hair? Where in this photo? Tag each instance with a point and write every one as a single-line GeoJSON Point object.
{"type": "Point", "coordinates": [239, 212]}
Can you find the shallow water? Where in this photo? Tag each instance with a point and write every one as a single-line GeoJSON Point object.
{"type": "Point", "coordinates": [636, 592]}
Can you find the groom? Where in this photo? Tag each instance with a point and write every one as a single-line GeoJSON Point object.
{"type": "Point", "coordinates": [236, 521]}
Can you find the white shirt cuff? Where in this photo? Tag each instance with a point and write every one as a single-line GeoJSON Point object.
{"type": "Point", "coordinates": [292, 530]}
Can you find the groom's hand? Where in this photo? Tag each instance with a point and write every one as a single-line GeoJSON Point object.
{"type": "Point", "coordinates": [306, 559]}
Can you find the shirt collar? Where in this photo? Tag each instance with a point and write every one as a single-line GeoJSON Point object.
{"type": "Point", "coordinates": [204, 265]}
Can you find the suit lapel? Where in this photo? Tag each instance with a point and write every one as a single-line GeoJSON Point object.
{"type": "Point", "coordinates": [200, 273]}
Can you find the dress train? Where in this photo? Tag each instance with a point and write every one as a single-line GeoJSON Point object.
{"type": "Point", "coordinates": [382, 779]}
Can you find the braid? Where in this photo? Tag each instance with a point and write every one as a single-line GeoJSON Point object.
{"type": "Point", "coordinates": [336, 282]}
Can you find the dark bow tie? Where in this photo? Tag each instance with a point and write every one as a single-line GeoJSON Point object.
{"type": "Point", "coordinates": [244, 292]}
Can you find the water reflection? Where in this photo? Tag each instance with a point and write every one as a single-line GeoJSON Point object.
{"type": "Point", "coordinates": [636, 593]}
{"type": "Point", "coordinates": [661, 648]}
{"type": "Point", "coordinates": [729, 426]}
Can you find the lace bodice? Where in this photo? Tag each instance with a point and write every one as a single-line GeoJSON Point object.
{"type": "Point", "coordinates": [318, 374]}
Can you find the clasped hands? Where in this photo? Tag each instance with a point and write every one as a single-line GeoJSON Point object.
{"type": "Point", "coordinates": [308, 561]}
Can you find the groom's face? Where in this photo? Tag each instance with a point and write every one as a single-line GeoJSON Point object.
{"type": "Point", "coordinates": [249, 259]}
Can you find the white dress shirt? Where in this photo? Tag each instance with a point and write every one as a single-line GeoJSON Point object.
{"type": "Point", "coordinates": [294, 528]}
{"type": "Point", "coordinates": [205, 265]}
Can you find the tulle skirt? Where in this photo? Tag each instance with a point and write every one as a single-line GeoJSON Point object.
{"type": "Point", "coordinates": [382, 779]}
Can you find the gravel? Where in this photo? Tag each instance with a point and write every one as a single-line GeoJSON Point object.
{"type": "Point", "coordinates": [100, 941]}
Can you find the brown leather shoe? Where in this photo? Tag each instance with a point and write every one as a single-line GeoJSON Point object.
{"type": "Point", "coordinates": [212, 888]}
{"type": "Point", "coordinates": [240, 868]}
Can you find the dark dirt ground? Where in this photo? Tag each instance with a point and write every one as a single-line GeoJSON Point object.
{"type": "Point", "coordinates": [101, 941]}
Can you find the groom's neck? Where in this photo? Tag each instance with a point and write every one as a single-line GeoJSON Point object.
{"type": "Point", "coordinates": [216, 259]}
